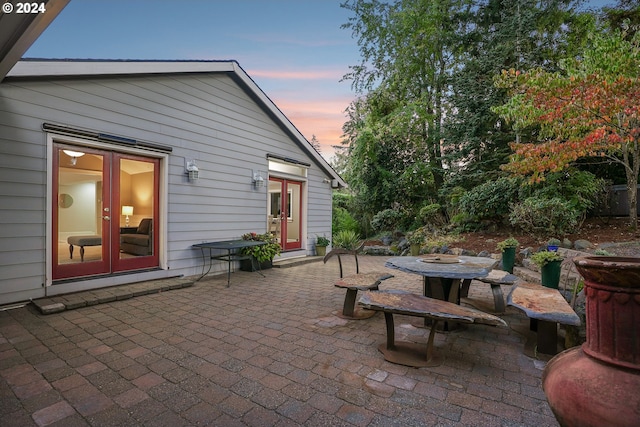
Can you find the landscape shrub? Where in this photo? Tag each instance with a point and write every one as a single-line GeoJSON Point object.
{"type": "Point", "coordinates": [431, 214]}
{"type": "Point", "coordinates": [387, 220]}
{"type": "Point", "coordinates": [582, 190]}
{"type": "Point", "coordinates": [343, 220]}
{"type": "Point", "coordinates": [491, 200]}
{"type": "Point", "coordinates": [543, 216]}
{"type": "Point", "coordinates": [346, 239]}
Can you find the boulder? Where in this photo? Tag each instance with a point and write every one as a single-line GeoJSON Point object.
{"type": "Point", "coordinates": [581, 245]}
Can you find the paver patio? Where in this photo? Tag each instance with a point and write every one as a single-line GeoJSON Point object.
{"type": "Point", "coordinates": [264, 352]}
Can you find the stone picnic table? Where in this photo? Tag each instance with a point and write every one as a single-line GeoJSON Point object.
{"type": "Point", "coordinates": [444, 275]}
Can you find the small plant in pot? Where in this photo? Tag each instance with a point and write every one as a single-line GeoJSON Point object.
{"type": "Point", "coordinates": [508, 249]}
{"type": "Point", "coordinates": [321, 245]}
{"type": "Point", "coordinates": [550, 263]}
{"type": "Point", "coordinates": [416, 239]}
{"type": "Point", "coordinates": [263, 254]}
{"type": "Point", "coordinates": [553, 245]}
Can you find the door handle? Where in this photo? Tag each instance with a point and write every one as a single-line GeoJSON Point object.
{"type": "Point", "coordinates": [106, 218]}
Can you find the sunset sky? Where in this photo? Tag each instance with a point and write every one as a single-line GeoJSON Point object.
{"type": "Point", "coordinates": [294, 50]}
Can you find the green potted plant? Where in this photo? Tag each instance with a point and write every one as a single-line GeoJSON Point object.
{"type": "Point", "coordinates": [508, 249]}
{"type": "Point", "coordinates": [416, 239]}
{"type": "Point", "coordinates": [550, 263]}
{"type": "Point", "coordinates": [321, 245]}
{"type": "Point", "coordinates": [263, 254]}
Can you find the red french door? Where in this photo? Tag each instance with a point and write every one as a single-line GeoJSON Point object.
{"type": "Point", "coordinates": [105, 213]}
{"type": "Point", "coordinates": [285, 212]}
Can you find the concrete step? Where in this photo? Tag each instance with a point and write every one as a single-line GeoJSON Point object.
{"type": "Point", "coordinates": [292, 262]}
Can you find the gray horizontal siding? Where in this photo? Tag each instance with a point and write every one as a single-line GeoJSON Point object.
{"type": "Point", "coordinates": [208, 118]}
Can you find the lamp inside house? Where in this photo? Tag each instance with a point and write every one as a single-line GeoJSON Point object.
{"type": "Point", "coordinates": [74, 155]}
{"type": "Point", "coordinates": [126, 211]}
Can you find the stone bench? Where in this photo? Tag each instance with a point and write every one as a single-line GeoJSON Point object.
{"type": "Point", "coordinates": [82, 241]}
{"type": "Point", "coordinates": [353, 283]}
{"type": "Point", "coordinates": [392, 302]}
{"type": "Point", "coordinates": [495, 278]}
{"type": "Point", "coordinates": [546, 308]}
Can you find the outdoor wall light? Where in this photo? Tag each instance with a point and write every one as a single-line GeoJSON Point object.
{"type": "Point", "coordinates": [126, 211]}
{"type": "Point", "coordinates": [74, 155]}
{"type": "Point", "coordinates": [192, 170]}
{"type": "Point", "coordinates": [333, 182]}
{"type": "Point", "coordinates": [258, 180]}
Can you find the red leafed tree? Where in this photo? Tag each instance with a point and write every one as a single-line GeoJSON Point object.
{"type": "Point", "coordinates": [590, 108]}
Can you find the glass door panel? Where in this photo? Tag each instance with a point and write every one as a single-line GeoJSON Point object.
{"type": "Point", "coordinates": [274, 208]}
{"type": "Point", "coordinates": [293, 210]}
{"type": "Point", "coordinates": [285, 212]}
{"type": "Point", "coordinates": [81, 215]}
{"type": "Point", "coordinates": [137, 210]}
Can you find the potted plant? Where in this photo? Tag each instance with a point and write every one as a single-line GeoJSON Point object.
{"type": "Point", "coordinates": [416, 239]}
{"type": "Point", "coordinates": [553, 245]}
{"type": "Point", "coordinates": [508, 249]}
{"type": "Point", "coordinates": [263, 254]}
{"type": "Point", "coordinates": [550, 263]}
{"type": "Point", "coordinates": [321, 245]}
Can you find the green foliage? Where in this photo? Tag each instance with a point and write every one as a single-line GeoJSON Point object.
{"type": "Point", "coordinates": [346, 239]}
{"type": "Point", "coordinates": [342, 200]}
{"type": "Point", "coordinates": [387, 220]}
{"type": "Point", "coordinates": [507, 243]}
{"type": "Point", "coordinates": [431, 214]}
{"type": "Point", "coordinates": [554, 242]}
{"type": "Point", "coordinates": [580, 189]}
{"type": "Point", "coordinates": [603, 252]}
{"type": "Point", "coordinates": [492, 199]}
{"type": "Point", "coordinates": [264, 252]}
{"type": "Point", "coordinates": [543, 257]}
{"type": "Point", "coordinates": [464, 223]}
{"type": "Point", "coordinates": [343, 220]}
{"type": "Point", "coordinates": [418, 236]}
{"type": "Point", "coordinates": [344, 204]}
{"type": "Point", "coordinates": [322, 241]}
{"type": "Point", "coordinates": [424, 124]}
{"type": "Point", "coordinates": [541, 216]}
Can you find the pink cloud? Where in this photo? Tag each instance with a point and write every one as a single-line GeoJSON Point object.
{"type": "Point", "coordinates": [297, 75]}
{"type": "Point", "coordinates": [324, 119]}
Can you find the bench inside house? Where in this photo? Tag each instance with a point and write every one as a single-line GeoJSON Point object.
{"type": "Point", "coordinates": [392, 302]}
{"type": "Point", "coordinates": [82, 241]}
{"type": "Point", "coordinates": [546, 309]}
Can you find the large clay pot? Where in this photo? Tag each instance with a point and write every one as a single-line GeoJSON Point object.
{"type": "Point", "coordinates": [598, 384]}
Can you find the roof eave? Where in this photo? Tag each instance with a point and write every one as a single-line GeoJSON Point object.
{"type": "Point", "coordinates": [19, 31]}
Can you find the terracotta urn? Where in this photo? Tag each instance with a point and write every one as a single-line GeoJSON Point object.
{"type": "Point", "coordinates": [598, 384]}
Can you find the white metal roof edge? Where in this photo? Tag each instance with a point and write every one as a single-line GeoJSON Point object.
{"type": "Point", "coordinates": [60, 68]}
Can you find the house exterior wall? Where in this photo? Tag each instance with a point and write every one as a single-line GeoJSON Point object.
{"type": "Point", "coordinates": [208, 117]}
